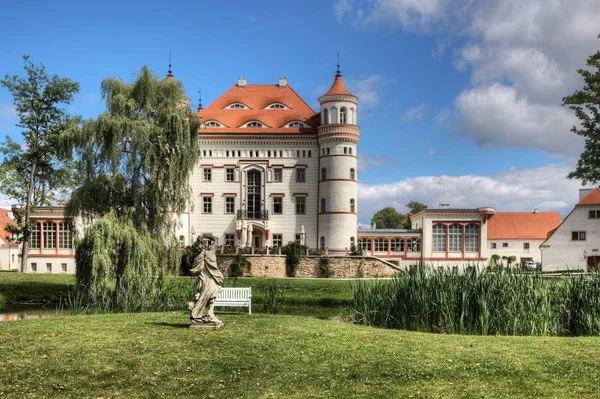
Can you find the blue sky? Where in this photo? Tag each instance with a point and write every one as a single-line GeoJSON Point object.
{"type": "Point", "coordinates": [460, 100]}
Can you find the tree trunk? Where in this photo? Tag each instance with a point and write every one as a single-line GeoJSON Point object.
{"type": "Point", "coordinates": [25, 244]}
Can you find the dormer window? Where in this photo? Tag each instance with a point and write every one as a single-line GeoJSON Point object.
{"type": "Point", "coordinates": [277, 106]}
{"type": "Point", "coordinates": [254, 124]}
{"type": "Point", "coordinates": [296, 124]}
{"type": "Point", "coordinates": [213, 124]}
{"type": "Point", "coordinates": [237, 106]}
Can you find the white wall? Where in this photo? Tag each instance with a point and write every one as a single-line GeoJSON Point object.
{"type": "Point", "coordinates": [561, 253]}
{"type": "Point", "coordinates": [515, 248]}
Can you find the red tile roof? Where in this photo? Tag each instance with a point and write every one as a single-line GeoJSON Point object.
{"type": "Point", "coordinates": [4, 221]}
{"type": "Point", "coordinates": [593, 198]}
{"type": "Point", "coordinates": [338, 87]}
{"type": "Point", "coordinates": [516, 225]}
{"type": "Point", "coordinates": [258, 97]}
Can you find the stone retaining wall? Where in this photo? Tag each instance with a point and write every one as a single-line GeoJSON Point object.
{"type": "Point", "coordinates": [343, 266]}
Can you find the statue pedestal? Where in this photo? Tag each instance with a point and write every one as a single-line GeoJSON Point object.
{"type": "Point", "coordinates": [207, 324]}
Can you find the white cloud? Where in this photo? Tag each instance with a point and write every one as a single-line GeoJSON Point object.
{"type": "Point", "coordinates": [366, 161]}
{"type": "Point", "coordinates": [366, 90]}
{"type": "Point", "coordinates": [500, 116]}
{"type": "Point", "coordinates": [415, 113]}
{"type": "Point", "coordinates": [526, 51]}
{"type": "Point", "coordinates": [545, 188]}
{"type": "Point", "coordinates": [431, 151]}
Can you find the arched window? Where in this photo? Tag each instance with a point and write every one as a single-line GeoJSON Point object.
{"type": "Point", "coordinates": [455, 238]}
{"type": "Point", "coordinates": [277, 106]}
{"type": "Point", "coordinates": [237, 106]}
{"type": "Point", "coordinates": [254, 124]}
{"type": "Point", "coordinates": [212, 124]}
{"type": "Point", "coordinates": [352, 174]}
{"type": "Point", "coordinates": [343, 115]}
{"type": "Point", "coordinates": [334, 115]}
{"type": "Point", "coordinates": [323, 205]}
{"type": "Point", "coordinates": [351, 118]}
{"type": "Point", "coordinates": [439, 238]}
{"type": "Point", "coordinates": [323, 173]}
{"type": "Point", "coordinates": [352, 205]}
{"type": "Point", "coordinates": [326, 116]}
{"type": "Point", "coordinates": [472, 238]}
{"type": "Point", "coordinates": [296, 124]}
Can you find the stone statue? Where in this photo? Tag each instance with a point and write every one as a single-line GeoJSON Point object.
{"type": "Point", "coordinates": [210, 280]}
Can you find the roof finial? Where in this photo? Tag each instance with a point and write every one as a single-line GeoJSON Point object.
{"type": "Point", "coordinates": [338, 73]}
{"type": "Point", "coordinates": [170, 74]}
{"type": "Point", "coordinates": [199, 99]}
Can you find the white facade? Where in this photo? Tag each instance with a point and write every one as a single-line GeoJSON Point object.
{"type": "Point", "coordinates": [522, 249]}
{"type": "Point", "coordinates": [274, 171]}
{"type": "Point", "coordinates": [575, 244]}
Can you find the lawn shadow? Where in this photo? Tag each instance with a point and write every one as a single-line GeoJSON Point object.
{"type": "Point", "coordinates": [173, 325]}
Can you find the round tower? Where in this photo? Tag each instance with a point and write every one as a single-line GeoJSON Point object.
{"type": "Point", "coordinates": [338, 141]}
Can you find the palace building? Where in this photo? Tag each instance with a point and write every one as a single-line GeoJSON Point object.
{"type": "Point", "coordinates": [272, 170]}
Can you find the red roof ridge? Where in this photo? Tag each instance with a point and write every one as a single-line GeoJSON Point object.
{"type": "Point", "coordinates": [592, 198]}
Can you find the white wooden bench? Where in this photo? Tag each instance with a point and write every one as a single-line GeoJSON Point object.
{"type": "Point", "coordinates": [235, 297]}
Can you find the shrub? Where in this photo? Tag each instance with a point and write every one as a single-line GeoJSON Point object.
{"type": "Point", "coordinates": [325, 270]}
{"type": "Point", "coordinates": [293, 253]}
{"type": "Point", "coordinates": [239, 266]}
{"type": "Point", "coordinates": [360, 271]}
{"type": "Point", "coordinates": [273, 297]}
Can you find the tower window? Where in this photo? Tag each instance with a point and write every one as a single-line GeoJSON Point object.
{"type": "Point", "coordinates": [345, 150]}
{"type": "Point", "coordinates": [343, 115]}
{"type": "Point", "coordinates": [326, 116]}
{"type": "Point", "coordinates": [352, 174]}
{"type": "Point", "coordinates": [352, 205]}
{"type": "Point", "coordinates": [350, 150]}
{"type": "Point", "coordinates": [323, 207]}
{"type": "Point", "coordinates": [323, 174]}
{"type": "Point", "coordinates": [328, 150]}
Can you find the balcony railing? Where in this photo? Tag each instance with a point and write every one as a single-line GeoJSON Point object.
{"type": "Point", "coordinates": [252, 215]}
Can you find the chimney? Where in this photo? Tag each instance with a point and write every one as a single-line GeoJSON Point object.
{"type": "Point", "coordinates": [535, 210]}
{"type": "Point", "coordinates": [444, 205]}
{"type": "Point", "coordinates": [583, 192]}
{"type": "Point", "coordinates": [241, 82]}
{"type": "Point", "coordinates": [282, 82]}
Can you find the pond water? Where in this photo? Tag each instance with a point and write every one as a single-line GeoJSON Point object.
{"type": "Point", "coordinates": [30, 312]}
{"type": "Point", "coordinates": [24, 312]}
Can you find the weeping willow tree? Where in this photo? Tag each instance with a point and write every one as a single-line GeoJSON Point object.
{"type": "Point", "coordinates": [135, 161]}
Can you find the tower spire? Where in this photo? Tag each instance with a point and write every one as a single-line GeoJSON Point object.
{"type": "Point", "coordinates": [170, 73]}
{"type": "Point", "coordinates": [338, 73]}
{"type": "Point", "coordinates": [199, 99]}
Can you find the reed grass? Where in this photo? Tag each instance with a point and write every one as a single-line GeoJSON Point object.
{"type": "Point", "coordinates": [505, 302]}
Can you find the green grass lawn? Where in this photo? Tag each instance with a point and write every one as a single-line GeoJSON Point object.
{"type": "Point", "coordinates": [156, 355]}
